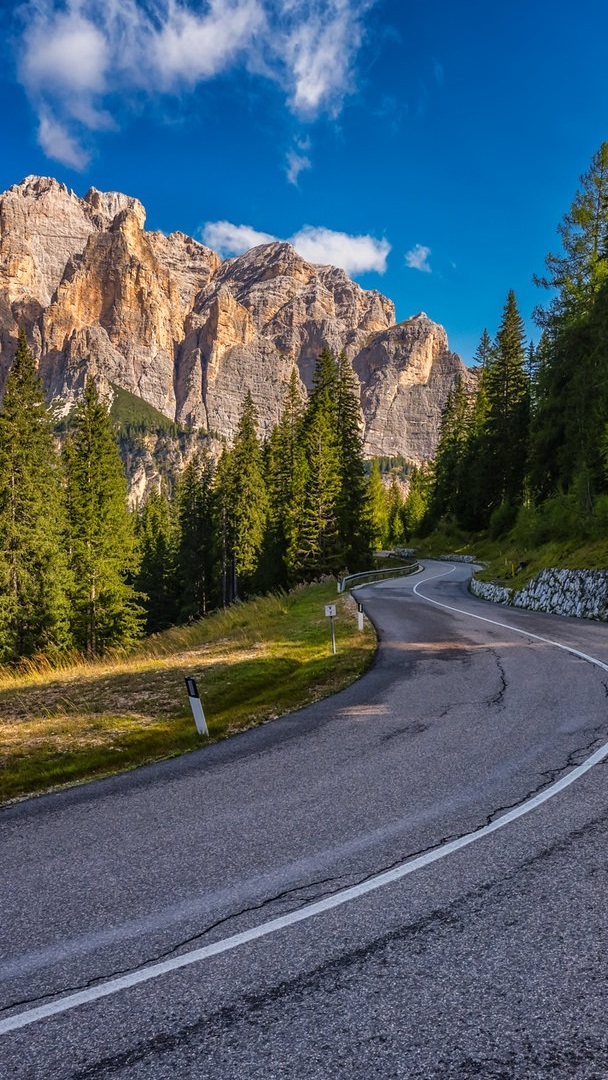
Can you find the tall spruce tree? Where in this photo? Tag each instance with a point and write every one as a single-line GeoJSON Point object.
{"type": "Point", "coordinates": [508, 410]}
{"type": "Point", "coordinates": [101, 531]}
{"type": "Point", "coordinates": [571, 390]}
{"type": "Point", "coordinates": [243, 507]}
{"type": "Point", "coordinates": [449, 475]}
{"type": "Point", "coordinates": [33, 571]}
{"type": "Point", "coordinates": [378, 505]}
{"type": "Point", "coordinates": [577, 273]}
{"type": "Point", "coordinates": [285, 471]}
{"type": "Point", "coordinates": [319, 548]}
{"type": "Point", "coordinates": [157, 578]}
{"type": "Point", "coordinates": [353, 504]}
{"type": "Point", "coordinates": [196, 555]}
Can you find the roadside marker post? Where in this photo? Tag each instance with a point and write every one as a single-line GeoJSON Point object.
{"type": "Point", "coordinates": [196, 706]}
{"type": "Point", "coordinates": [360, 616]}
{"type": "Point", "coordinates": [330, 611]}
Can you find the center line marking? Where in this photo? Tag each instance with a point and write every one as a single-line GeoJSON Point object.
{"type": "Point", "coordinates": [388, 877]}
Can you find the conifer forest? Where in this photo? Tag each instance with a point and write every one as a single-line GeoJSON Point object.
{"type": "Point", "coordinates": [525, 454]}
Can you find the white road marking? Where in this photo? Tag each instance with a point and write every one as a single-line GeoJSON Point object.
{"type": "Point", "coordinates": [504, 626]}
{"type": "Point", "coordinates": [154, 971]}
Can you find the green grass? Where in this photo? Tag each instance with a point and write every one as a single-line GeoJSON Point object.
{"type": "Point", "coordinates": [514, 564]}
{"type": "Point", "coordinates": [129, 410]}
{"type": "Point", "coordinates": [77, 720]}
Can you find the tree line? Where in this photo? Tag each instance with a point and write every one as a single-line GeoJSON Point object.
{"type": "Point", "coordinates": [529, 449]}
{"type": "Point", "coordinates": [79, 570]}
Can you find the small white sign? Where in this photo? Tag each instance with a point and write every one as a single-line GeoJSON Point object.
{"type": "Point", "coordinates": [330, 610]}
{"type": "Point", "coordinates": [197, 706]}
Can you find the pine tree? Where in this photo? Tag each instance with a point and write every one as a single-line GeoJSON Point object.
{"type": "Point", "coordinates": [571, 390]}
{"type": "Point", "coordinates": [581, 269]}
{"type": "Point", "coordinates": [416, 503]}
{"type": "Point", "coordinates": [319, 549]}
{"type": "Point", "coordinates": [157, 536]}
{"type": "Point", "coordinates": [378, 506]}
{"type": "Point", "coordinates": [196, 554]}
{"type": "Point", "coordinates": [485, 350]}
{"type": "Point", "coordinates": [449, 476]}
{"type": "Point", "coordinates": [353, 504]}
{"type": "Point", "coordinates": [285, 479]}
{"type": "Point", "coordinates": [507, 423]}
{"type": "Point", "coordinates": [243, 507]}
{"type": "Point", "coordinates": [102, 544]}
{"type": "Point", "coordinates": [395, 508]}
{"type": "Point", "coordinates": [33, 571]}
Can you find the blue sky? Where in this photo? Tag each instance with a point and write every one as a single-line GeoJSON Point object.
{"type": "Point", "coordinates": [430, 149]}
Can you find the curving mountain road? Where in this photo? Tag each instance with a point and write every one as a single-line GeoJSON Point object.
{"type": "Point", "coordinates": [405, 880]}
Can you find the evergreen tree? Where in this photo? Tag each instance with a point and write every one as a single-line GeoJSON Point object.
{"type": "Point", "coordinates": [507, 423]}
{"type": "Point", "coordinates": [485, 351]}
{"type": "Point", "coordinates": [318, 540]}
{"type": "Point", "coordinates": [33, 570]}
{"type": "Point", "coordinates": [416, 503]}
{"type": "Point", "coordinates": [196, 548]}
{"type": "Point", "coordinates": [570, 393]}
{"type": "Point", "coordinates": [102, 545]}
{"type": "Point", "coordinates": [285, 470]}
{"type": "Point", "coordinates": [243, 507]}
{"type": "Point", "coordinates": [449, 475]}
{"type": "Point", "coordinates": [225, 526]}
{"type": "Point", "coordinates": [476, 490]}
{"type": "Point", "coordinates": [156, 579]}
{"type": "Point", "coordinates": [378, 506]}
{"type": "Point", "coordinates": [395, 509]}
{"type": "Point", "coordinates": [353, 504]}
{"type": "Point", "coordinates": [580, 270]}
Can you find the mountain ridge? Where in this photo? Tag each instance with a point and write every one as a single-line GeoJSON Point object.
{"type": "Point", "coordinates": [166, 319]}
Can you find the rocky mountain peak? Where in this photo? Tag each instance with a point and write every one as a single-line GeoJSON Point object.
{"type": "Point", "coordinates": [164, 318]}
{"type": "Point", "coordinates": [109, 204]}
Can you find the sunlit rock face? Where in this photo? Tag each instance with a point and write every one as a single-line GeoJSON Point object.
{"type": "Point", "coordinates": [166, 319]}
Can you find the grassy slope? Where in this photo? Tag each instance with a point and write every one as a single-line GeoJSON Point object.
{"type": "Point", "coordinates": [503, 557]}
{"type": "Point", "coordinates": [252, 663]}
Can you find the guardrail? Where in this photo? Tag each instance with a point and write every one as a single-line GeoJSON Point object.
{"type": "Point", "coordinates": [346, 582]}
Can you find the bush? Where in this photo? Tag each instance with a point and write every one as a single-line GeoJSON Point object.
{"type": "Point", "coordinates": [502, 520]}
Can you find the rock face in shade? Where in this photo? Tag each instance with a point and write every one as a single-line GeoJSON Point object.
{"type": "Point", "coordinates": [166, 319]}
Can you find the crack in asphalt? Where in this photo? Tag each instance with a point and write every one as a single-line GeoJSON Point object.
{"type": "Point", "coordinates": [286, 894]}
{"type": "Point", "coordinates": [550, 776]}
{"type": "Point", "coordinates": [247, 1010]}
{"type": "Point", "coordinates": [499, 697]}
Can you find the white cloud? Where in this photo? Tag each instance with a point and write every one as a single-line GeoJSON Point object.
{"type": "Point", "coordinates": [318, 51]}
{"type": "Point", "coordinates": [58, 144]}
{"type": "Point", "coordinates": [79, 58]}
{"type": "Point", "coordinates": [190, 47]}
{"type": "Point", "coordinates": [296, 163]}
{"type": "Point", "coordinates": [355, 254]}
{"type": "Point", "coordinates": [417, 258]}
{"type": "Point", "coordinates": [231, 239]}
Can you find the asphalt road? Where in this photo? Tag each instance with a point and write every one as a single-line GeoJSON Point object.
{"type": "Point", "coordinates": [436, 961]}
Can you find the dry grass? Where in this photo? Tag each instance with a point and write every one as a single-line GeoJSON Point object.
{"type": "Point", "coordinates": [75, 719]}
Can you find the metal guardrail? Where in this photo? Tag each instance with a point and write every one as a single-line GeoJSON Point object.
{"type": "Point", "coordinates": [346, 582]}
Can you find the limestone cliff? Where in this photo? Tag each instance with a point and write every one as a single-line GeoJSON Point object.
{"type": "Point", "coordinates": [166, 319]}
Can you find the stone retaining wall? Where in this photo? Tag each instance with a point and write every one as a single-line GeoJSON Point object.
{"type": "Point", "coordinates": [582, 593]}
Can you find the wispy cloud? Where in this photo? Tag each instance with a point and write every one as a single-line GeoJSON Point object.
{"type": "Point", "coordinates": [418, 258]}
{"type": "Point", "coordinates": [355, 254]}
{"type": "Point", "coordinates": [77, 57]}
{"type": "Point", "coordinates": [297, 162]}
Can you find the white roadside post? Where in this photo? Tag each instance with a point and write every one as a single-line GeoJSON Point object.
{"type": "Point", "coordinates": [330, 611]}
{"type": "Point", "coordinates": [196, 706]}
{"type": "Point", "coordinates": [360, 616]}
